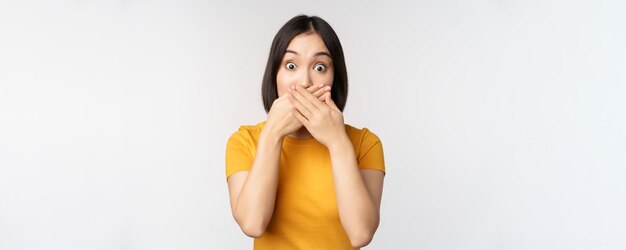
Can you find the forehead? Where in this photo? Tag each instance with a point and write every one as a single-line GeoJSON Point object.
{"type": "Point", "coordinates": [307, 43]}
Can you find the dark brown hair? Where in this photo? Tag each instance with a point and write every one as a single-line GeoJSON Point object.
{"type": "Point", "coordinates": [298, 25]}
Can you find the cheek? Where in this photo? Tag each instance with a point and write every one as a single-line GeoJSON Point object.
{"type": "Point", "coordinates": [326, 78]}
{"type": "Point", "coordinates": [282, 83]}
{"type": "Point", "coordinates": [329, 78]}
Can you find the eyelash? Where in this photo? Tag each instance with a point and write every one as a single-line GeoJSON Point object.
{"type": "Point", "coordinates": [316, 65]}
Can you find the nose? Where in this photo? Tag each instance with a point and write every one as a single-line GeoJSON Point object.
{"type": "Point", "coordinates": [305, 80]}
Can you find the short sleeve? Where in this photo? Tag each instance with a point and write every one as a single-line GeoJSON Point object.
{"type": "Point", "coordinates": [370, 155]}
{"type": "Point", "coordinates": [238, 152]}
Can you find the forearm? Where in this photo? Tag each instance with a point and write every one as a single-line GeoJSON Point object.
{"type": "Point", "coordinates": [255, 204]}
{"type": "Point", "coordinates": [357, 210]}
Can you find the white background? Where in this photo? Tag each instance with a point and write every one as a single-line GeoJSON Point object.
{"type": "Point", "coordinates": [503, 122]}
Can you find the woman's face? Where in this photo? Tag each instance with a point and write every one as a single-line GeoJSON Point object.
{"type": "Point", "coordinates": [306, 62]}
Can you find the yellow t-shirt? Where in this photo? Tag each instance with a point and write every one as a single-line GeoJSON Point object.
{"type": "Point", "coordinates": [305, 214]}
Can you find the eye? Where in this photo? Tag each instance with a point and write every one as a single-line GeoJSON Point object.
{"type": "Point", "coordinates": [290, 66]}
{"type": "Point", "coordinates": [320, 67]}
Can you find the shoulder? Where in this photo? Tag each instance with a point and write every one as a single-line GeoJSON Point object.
{"type": "Point", "coordinates": [368, 148]}
{"type": "Point", "coordinates": [247, 133]}
{"type": "Point", "coordinates": [362, 138]}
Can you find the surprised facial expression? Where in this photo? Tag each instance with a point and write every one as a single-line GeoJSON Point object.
{"type": "Point", "coordinates": [306, 62]}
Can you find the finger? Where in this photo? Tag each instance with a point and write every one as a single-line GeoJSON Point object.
{"type": "Point", "coordinates": [298, 94]}
{"type": "Point", "coordinates": [298, 105]}
{"type": "Point", "coordinates": [308, 99]}
{"type": "Point", "coordinates": [300, 117]}
{"type": "Point", "coordinates": [331, 103]}
{"type": "Point", "coordinates": [311, 89]}
{"type": "Point", "coordinates": [321, 91]}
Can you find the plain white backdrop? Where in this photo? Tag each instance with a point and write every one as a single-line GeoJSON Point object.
{"type": "Point", "coordinates": [503, 122]}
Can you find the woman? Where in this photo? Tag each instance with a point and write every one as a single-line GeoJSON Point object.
{"type": "Point", "coordinates": [303, 179]}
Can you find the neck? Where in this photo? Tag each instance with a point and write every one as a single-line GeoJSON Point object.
{"type": "Point", "coordinates": [301, 133]}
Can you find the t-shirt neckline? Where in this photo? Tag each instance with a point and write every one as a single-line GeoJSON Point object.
{"type": "Point", "coordinates": [296, 141]}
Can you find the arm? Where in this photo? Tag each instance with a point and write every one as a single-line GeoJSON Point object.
{"type": "Point", "coordinates": [359, 193]}
{"type": "Point", "coordinates": [253, 193]}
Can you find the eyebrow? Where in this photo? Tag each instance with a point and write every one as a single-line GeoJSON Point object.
{"type": "Point", "coordinates": [321, 53]}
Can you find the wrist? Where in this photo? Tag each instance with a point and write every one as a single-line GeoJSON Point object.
{"type": "Point", "coordinates": [340, 144]}
{"type": "Point", "coordinates": [271, 135]}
